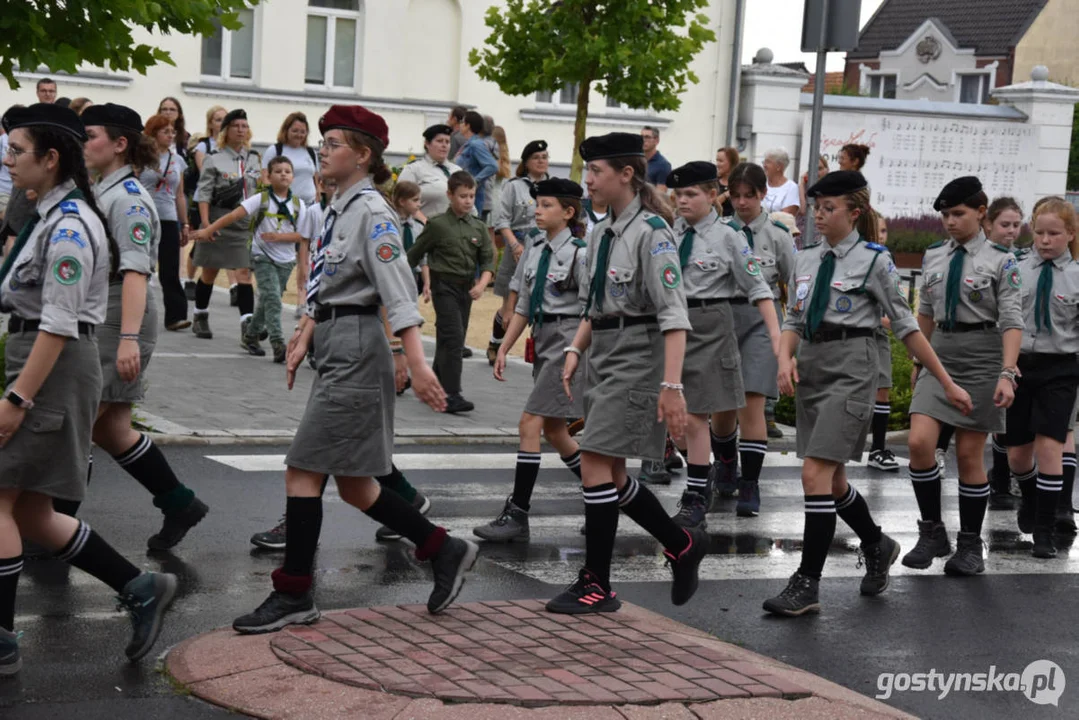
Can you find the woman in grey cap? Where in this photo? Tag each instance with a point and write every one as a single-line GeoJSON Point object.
{"type": "Point", "coordinates": [969, 306]}
{"type": "Point", "coordinates": [229, 176]}
{"type": "Point", "coordinates": [54, 284]}
{"type": "Point", "coordinates": [118, 151]}
{"type": "Point", "coordinates": [549, 277]}
{"type": "Point", "coordinates": [842, 287]}
{"type": "Point", "coordinates": [515, 221]}
{"type": "Point", "coordinates": [635, 324]}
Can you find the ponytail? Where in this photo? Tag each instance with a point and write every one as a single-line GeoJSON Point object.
{"type": "Point", "coordinates": [376, 168]}
{"type": "Point", "coordinates": [651, 199]}
{"type": "Point", "coordinates": [576, 226]}
{"type": "Point", "coordinates": [141, 150]}
{"type": "Point", "coordinates": [866, 224]}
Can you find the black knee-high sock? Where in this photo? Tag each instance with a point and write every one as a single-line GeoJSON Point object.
{"type": "Point", "coordinates": [391, 510]}
{"type": "Point", "coordinates": [397, 482]}
{"type": "Point", "coordinates": [881, 413]}
{"type": "Point", "coordinates": [945, 437]}
{"type": "Point", "coordinates": [973, 500]}
{"type": "Point", "coordinates": [1048, 494]}
{"type": "Point", "coordinates": [818, 534]}
{"type": "Point", "coordinates": [927, 491]}
{"type": "Point", "coordinates": [303, 516]}
{"type": "Point", "coordinates": [601, 525]}
{"type": "Point", "coordinates": [642, 507]}
{"type": "Point", "coordinates": [853, 510]}
{"type": "Point", "coordinates": [1000, 477]}
{"type": "Point", "coordinates": [245, 299]}
{"type": "Point", "coordinates": [697, 478]}
{"type": "Point", "coordinates": [203, 292]}
{"type": "Point", "coordinates": [71, 507]}
{"type": "Point", "coordinates": [573, 463]}
{"type": "Point", "coordinates": [725, 448]}
{"type": "Point", "coordinates": [1027, 485]}
{"type": "Point", "coordinates": [1069, 480]}
{"type": "Point", "coordinates": [524, 478]}
{"type": "Point", "coordinates": [751, 453]}
{"type": "Point", "coordinates": [9, 581]}
{"type": "Point", "coordinates": [89, 552]}
{"type": "Point", "coordinates": [498, 329]}
{"type": "Point", "coordinates": [145, 462]}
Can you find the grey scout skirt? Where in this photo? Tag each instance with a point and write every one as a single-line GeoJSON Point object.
{"type": "Point", "coordinates": [231, 250]}
{"type": "Point", "coordinates": [834, 398]}
{"type": "Point", "coordinates": [115, 390]}
{"type": "Point", "coordinates": [759, 364]}
{"type": "Point", "coordinates": [624, 370]}
{"type": "Point", "coordinates": [974, 360]}
{"type": "Point", "coordinates": [347, 428]}
{"type": "Point", "coordinates": [548, 397]}
{"type": "Point", "coordinates": [884, 359]}
{"type": "Point", "coordinates": [712, 369]}
{"type": "Point", "coordinates": [50, 452]}
{"type": "Point", "coordinates": [505, 272]}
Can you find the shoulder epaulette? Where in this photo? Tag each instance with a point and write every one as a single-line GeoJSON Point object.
{"type": "Point", "coordinates": [69, 207]}
{"type": "Point", "coordinates": [1002, 248]}
{"type": "Point", "coordinates": [876, 247]}
{"type": "Point", "coordinates": [132, 187]}
{"type": "Point", "coordinates": [579, 242]}
{"type": "Point", "coordinates": [1020, 253]}
{"type": "Point", "coordinates": [936, 245]}
{"type": "Point", "coordinates": [656, 222]}
{"type": "Point", "coordinates": [781, 225]}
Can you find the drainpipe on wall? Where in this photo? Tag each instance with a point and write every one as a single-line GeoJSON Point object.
{"type": "Point", "coordinates": [736, 71]}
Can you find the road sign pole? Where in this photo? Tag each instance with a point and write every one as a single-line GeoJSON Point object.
{"type": "Point", "coordinates": [813, 158]}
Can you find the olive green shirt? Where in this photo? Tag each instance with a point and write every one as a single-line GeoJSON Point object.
{"type": "Point", "coordinates": [454, 246]}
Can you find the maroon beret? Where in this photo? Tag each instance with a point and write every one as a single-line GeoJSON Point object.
{"type": "Point", "coordinates": [355, 117]}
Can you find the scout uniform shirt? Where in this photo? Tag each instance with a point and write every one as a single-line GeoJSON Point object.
{"type": "Point", "coordinates": [133, 220]}
{"type": "Point", "coordinates": [410, 230]}
{"type": "Point", "coordinates": [1051, 306]}
{"type": "Point", "coordinates": [516, 207]}
{"type": "Point", "coordinates": [988, 286]}
{"type": "Point", "coordinates": [864, 286]}
{"type": "Point", "coordinates": [717, 263]}
{"type": "Point", "coordinates": [360, 258]}
{"type": "Point", "coordinates": [432, 179]}
{"type": "Point", "coordinates": [567, 273]}
{"type": "Point", "coordinates": [774, 247]}
{"type": "Point", "coordinates": [227, 179]}
{"type": "Point", "coordinates": [61, 275]}
{"type": "Point", "coordinates": [639, 273]}
{"type": "Point", "coordinates": [454, 246]}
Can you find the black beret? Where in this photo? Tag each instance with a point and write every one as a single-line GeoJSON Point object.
{"type": "Point", "coordinates": [47, 114]}
{"type": "Point", "coordinates": [693, 173]}
{"type": "Point", "coordinates": [112, 115]}
{"type": "Point", "coordinates": [233, 116]}
{"type": "Point", "coordinates": [532, 148]}
{"type": "Point", "coordinates": [838, 183]}
{"type": "Point", "coordinates": [612, 145]}
{"type": "Point", "coordinates": [435, 130]}
{"type": "Point", "coordinates": [957, 192]}
{"type": "Point", "coordinates": [557, 187]}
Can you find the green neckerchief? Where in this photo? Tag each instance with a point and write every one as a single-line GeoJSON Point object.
{"type": "Point", "coordinates": [686, 248]}
{"type": "Point", "coordinates": [28, 229]}
{"type": "Point", "coordinates": [1042, 317]}
{"type": "Point", "coordinates": [822, 294]}
{"type": "Point", "coordinates": [535, 302]}
{"type": "Point", "coordinates": [409, 240]}
{"type": "Point", "coordinates": [951, 290]}
{"type": "Point", "coordinates": [598, 287]}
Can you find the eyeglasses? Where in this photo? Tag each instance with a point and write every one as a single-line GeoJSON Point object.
{"type": "Point", "coordinates": [331, 145]}
{"type": "Point", "coordinates": [15, 153]}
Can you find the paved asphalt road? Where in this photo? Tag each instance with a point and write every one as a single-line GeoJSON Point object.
{"type": "Point", "coordinates": [1022, 611]}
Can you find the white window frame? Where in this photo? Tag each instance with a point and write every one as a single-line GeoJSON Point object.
{"type": "Point", "coordinates": [867, 81]}
{"type": "Point", "coordinates": [226, 54]}
{"type": "Point", "coordinates": [332, 15]}
{"type": "Point", "coordinates": [556, 99]}
{"type": "Point", "coordinates": [989, 77]}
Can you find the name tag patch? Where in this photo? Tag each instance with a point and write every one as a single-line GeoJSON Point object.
{"type": "Point", "coordinates": [137, 210]}
{"type": "Point", "coordinates": [383, 228]}
{"type": "Point", "coordinates": [665, 247]}
{"type": "Point", "coordinates": [68, 235]}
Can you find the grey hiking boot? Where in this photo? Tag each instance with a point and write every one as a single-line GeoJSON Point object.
{"type": "Point", "coordinates": [146, 598]}
{"type": "Point", "coordinates": [10, 660]}
{"type": "Point", "coordinates": [450, 566]}
{"type": "Point", "coordinates": [691, 510]}
{"type": "Point", "coordinates": [724, 479]}
{"type": "Point", "coordinates": [653, 472]}
{"type": "Point", "coordinates": [510, 525]}
{"type": "Point", "coordinates": [250, 342]}
{"type": "Point", "coordinates": [968, 555]}
{"type": "Point", "coordinates": [878, 559]}
{"type": "Point", "coordinates": [277, 611]}
{"type": "Point", "coordinates": [932, 543]}
{"type": "Point", "coordinates": [200, 326]}
{"type": "Point", "coordinates": [801, 596]}
{"type": "Point", "coordinates": [279, 351]}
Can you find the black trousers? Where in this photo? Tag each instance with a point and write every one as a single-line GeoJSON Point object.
{"type": "Point", "coordinates": [168, 272]}
{"type": "Point", "coordinates": [453, 305]}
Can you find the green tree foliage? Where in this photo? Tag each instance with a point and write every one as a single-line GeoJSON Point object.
{"type": "Point", "coordinates": [62, 34]}
{"type": "Point", "coordinates": [638, 51]}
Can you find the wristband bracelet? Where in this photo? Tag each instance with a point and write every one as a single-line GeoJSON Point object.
{"type": "Point", "coordinates": [129, 336]}
{"type": "Point", "coordinates": [572, 349]}
{"type": "Point", "coordinates": [397, 351]}
{"type": "Point", "coordinates": [672, 386]}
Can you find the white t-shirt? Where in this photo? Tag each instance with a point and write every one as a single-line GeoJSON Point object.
{"type": "Point", "coordinates": [278, 252]}
{"type": "Point", "coordinates": [303, 170]}
{"type": "Point", "coordinates": [781, 197]}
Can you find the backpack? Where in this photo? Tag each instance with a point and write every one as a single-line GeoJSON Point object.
{"type": "Point", "coordinates": [191, 174]}
{"type": "Point", "coordinates": [310, 151]}
{"type": "Point", "coordinates": [264, 207]}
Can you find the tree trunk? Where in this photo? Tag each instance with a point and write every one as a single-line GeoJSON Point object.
{"type": "Point", "coordinates": [583, 91]}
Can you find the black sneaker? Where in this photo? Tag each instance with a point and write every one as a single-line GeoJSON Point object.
{"type": "Point", "coordinates": [1024, 517]}
{"type": "Point", "coordinates": [146, 598]}
{"type": "Point", "coordinates": [510, 525]}
{"type": "Point", "coordinates": [466, 352]}
{"type": "Point", "coordinates": [451, 564]}
{"type": "Point", "coordinates": [1002, 500]}
{"type": "Point", "coordinates": [932, 543]}
{"type": "Point", "coordinates": [200, 326]}
{"type": "Point", "coordinates": [272, 539]}
{"type": "Point", "coordinates": [234, 296]}
{"type": "Point", "coordinates": [280, 351]}
{"type": "Point", "coordinates": [749, 499]}
{"type": "Point", "coordinates": [1065, 518]}
{"type": "Point", "coordinates": [176, 525]}
{"type": "Point", "coordinates": [691, 510]}
{"type": "Point", "coordinates": [684, 567]}
{"type": "Point", "coordinates": [1043, 544]}
{"type": "Point", "coordinates": [420, 502]}
{"type": "Point", "coordinates": [457, 404]}
{"type": "Point", "coordinates": [801, 596]}
{"type": "Point", "coordinates": [584, 597]}
{"type": "Point", "coordinates": [276, 612]}
{"type": "Point", "coordinates": [189, 290]}
{"type": "Point", "coordinates": [878, 559]}
{"type": "Point", "coordinates": [967, 559]}
{"type": "Point", "coordinates": [724, 479]}
{"type": "Point", "coordinates": [672, 460]}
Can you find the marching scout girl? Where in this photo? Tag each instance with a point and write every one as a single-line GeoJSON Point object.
{"type": "Point", "coordinates": [229, 176]}
{"type": "Point", "coordinates": [407, 201]}
{"type": "Point", "coordinates": [635, 324]}
{"type": "Point", "coordinates": [1041, 417]}
{"type": "Point", "coordinates": [969, 305]}
{"type": "Point", "coordinates": [347, 429]}
{"type": "Point", "coordinates": [199, 150]}
{"type": "Point", "coordinates": [117, 150]}
{"type": "Point", "coordinates": [515, 221]}
{"type": "Point", "coordinates": [716, 265]}
{"type": "Point", "coordinates": [548, 281]}
{"type": "Point", "coordinates": [432, 172]}
{"type": "Point", "coordinates": [842, 286]}
{"type": "Point", "coordinates": [773, 247]}
{"type": "Point", "coordinates": [880, 457]}
{"type": "Point", "coordinates": [54, 284]}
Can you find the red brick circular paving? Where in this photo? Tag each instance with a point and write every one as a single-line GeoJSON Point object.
{"type": "Point", "coordinates": [514, 652]}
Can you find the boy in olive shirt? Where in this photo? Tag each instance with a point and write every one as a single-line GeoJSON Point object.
{"type": "Point", "coordinates": [455, 243]}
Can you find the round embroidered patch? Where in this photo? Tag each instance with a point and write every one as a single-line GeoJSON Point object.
{"type": "Point", "coordinates": [387, 252]}
{"type": "Point", "coordinates": [671, 278]}
{"type": "Point", "coordinates": [1014, 279]}
{"type": "Point", "coordinates": [843, 304]}
{"type": "Point", "coordinates": [753, 267]}
{"type": "Point", "coordinates": [617, 290]}
{"type": "Point", "coordinates": [140, 233]}
{"type": "Point", "coordinates": [803, 291]}
{"type": "Point", "coordinates": [67, 270]}
{"type": "Point", "coordinates": [975, 296]}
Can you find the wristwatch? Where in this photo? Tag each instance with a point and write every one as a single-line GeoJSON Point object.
{"type": "Point", "coordinates": [18, 400]}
